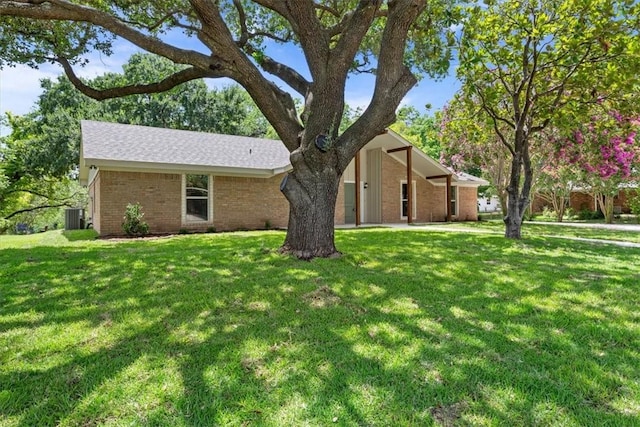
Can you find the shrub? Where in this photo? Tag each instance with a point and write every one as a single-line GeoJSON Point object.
{"type": "Point", "coordinates": [4, 225]}
{"type": "Point", "coordinates": [133, 224]}
{"type": "Point", "coordinates": [633, 199]}
{"type": "Point", "coordinates": [586, 214]}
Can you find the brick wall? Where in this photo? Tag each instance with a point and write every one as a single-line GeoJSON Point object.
{"type": "Point", "coordinates": [248, 203]}
{"type": "Point", "coordinates": [339, 214]}
{"type": "Point", "coordinates": [622, 200]}
{"type": "Point", "coordinates": [158, 194]}
{"type": "Point", "coordinates": [437, 202]}
{"type": "Point", "coordinates": [538, 204]}
{"type": "Point", "coordinates": [393, 173]}
{"type": "Point", "coordinates": [238, 203]}
{"type": "Point", "coordinates": [581, 201]}
{"type": "Point", "coordinates": [467, 204]}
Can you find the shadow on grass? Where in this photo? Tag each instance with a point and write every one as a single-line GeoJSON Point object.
{"type": "Point", "coordinates": [408, 328]}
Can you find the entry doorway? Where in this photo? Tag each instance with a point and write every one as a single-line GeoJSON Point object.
{"type": "Point", "coordinates": [349, 202]}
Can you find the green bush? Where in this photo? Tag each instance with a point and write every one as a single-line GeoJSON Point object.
{"type": "Point", "coordinates": [4, 225]}
{"type": "Point", "coordinates": [633, 199]}
{"type": "Point", "coordinates": [133, 224]}
{"type": "Point", "coordinates": [586, 214]}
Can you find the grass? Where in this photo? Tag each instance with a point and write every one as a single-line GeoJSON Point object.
{"type": "Point", "coordinates": [541, 229]}
{"type": "Point", "coordinates": [407, 328]}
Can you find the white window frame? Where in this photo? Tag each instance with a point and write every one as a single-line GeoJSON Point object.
{"type": "Point", "coordinates": [183, 197]}
{"type": "Point", "coordinates": [414, 206]}
{"type": "Point", "coordinates": [455, 195]}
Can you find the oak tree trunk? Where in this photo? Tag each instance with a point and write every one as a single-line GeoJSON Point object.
{"type": "Point", "coordinates": [312, 191]}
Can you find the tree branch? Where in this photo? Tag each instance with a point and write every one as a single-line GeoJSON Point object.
{"type": "Point", "coordinates": [35, 208]}
{"type": "Point", "coordinates": [168, 83]}
{"type": "Point", "coordinates": [284, 72]}
{"type": "Point", "coordinates": [393, 79]}
{"type": "Point", "coordinates": [277, 105]}
{"type": "Point", "coordinates": [63, 10]}
{"type": "Point", "coordinates": [356, 26]}
{"type": "Point", "coordinates": [24, 190]}
{"type": "Point", "coordinates": [314, 39]}
{"type": "Point", "coordinates": [327, 8]}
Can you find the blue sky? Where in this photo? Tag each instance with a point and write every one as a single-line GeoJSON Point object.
{"type": "Point", "coordinates": [20, 87]}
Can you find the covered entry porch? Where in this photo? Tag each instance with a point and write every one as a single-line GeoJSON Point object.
{"type": "Point", "coordinates": [376, 189]}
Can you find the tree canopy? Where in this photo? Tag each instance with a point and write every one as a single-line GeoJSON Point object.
{"type": "Point", "coordinates": [421, 129]}
{"type": "Point", "coordinates": [529, 64]}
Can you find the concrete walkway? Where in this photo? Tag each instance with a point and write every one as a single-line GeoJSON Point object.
{"type": "Point", "coordinates": [440, 226]}
{"type": "Point", "coordinates": [619, 227]}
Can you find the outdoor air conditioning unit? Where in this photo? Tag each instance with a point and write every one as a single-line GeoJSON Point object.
{"type": "Point", "coordinates": [74, 219]}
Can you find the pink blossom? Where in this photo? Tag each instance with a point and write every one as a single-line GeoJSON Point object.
{"type": "Point", "coordinates": [616, 116]}
{"type": "Point", "coordinates": [578, 137]}
{"type": "Point", "coordinates": [630, 139]}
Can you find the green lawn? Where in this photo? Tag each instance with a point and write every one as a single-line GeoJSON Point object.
{"type": "Point", "coordinates": [530, 229]}
{"type": "Point", "coordinates": [408, 328]}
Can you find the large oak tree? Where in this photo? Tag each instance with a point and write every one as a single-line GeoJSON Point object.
{"type": "Point", "coordinates": [393, 39]}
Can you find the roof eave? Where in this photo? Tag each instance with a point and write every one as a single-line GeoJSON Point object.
{"type": "Point", "coordinates": [148, 167]}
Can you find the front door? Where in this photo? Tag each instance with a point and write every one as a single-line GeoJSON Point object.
{"type": "Point", "coordinates": [349, 202]}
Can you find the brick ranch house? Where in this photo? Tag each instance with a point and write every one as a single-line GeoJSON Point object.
{"type": "Point", "coordinates": [198, 181]}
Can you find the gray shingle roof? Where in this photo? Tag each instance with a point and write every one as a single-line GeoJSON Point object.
{"type": "Point", "coordinates": [103, 141]}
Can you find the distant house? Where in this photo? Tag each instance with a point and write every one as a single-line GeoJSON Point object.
{"type": "Point", "coordinates": [197, 181]}
{"type": "Point", "coordinates": [581, 199]}
{"type": "Point", "coordinates": [489, 204]}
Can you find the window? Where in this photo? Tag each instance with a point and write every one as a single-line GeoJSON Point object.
{"type": "Point", "coordinates": [197, 198]}
{"type": "Point", "coordinates": [454, 200]}
{"type": "Point", "coordinates": [404, 200]}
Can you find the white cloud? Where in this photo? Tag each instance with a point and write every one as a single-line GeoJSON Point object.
{"type": "Point", "coordinates": [20, 87]}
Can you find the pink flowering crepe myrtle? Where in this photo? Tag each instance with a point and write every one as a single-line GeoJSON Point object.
{"type": "Point", "coordinates": [606, 147]}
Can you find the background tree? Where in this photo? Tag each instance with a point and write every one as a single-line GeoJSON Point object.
{"type": "Point", "coordinates": [421, 129]}
{"type": "Point", "coordinates": [393, 39]}
{"type": "Point", "coordinates": [470, 144]}
{"type": "Point", "coordinates": [556, 180]}
{"type": "Point", "coordinates": [604, 154]}
{"type": "Point", "coordinates": [192, 106]}
{"type": "Point", "coordinates": [24, 189]}
{"type": "Point", "coordinates": [529, 62]}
